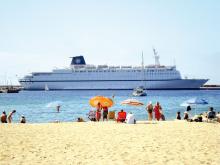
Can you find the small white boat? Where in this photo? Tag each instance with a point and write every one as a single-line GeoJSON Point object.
{"type": "Point", "coordinates": [139, 91]}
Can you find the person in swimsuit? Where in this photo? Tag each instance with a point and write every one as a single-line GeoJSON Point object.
{"type": "Point", "coordinates": [10, 116]}
{"type": "Point", "coordinates": [157, 113]}
{"type": "Point", "coordinates": [98, 111]}
{"type": "Point", "coordinates": [4, 117]}
{"type": "Point", "coordinates": [149, 109]}
{"type": "Point", "coordinates": [105, 113]}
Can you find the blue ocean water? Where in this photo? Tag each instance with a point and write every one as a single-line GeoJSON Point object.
{"type": "Point", "coordinates": [39, 106]}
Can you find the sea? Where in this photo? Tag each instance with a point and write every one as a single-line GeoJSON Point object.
{"type": "Point", "coordinates": [40, 106]}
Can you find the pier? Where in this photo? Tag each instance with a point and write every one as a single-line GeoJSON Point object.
{"type": "Point", "coordinates": [210, 87]}
{"type": "Point", "coordinates": [10, 88]}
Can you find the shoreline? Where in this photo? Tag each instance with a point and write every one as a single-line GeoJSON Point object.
{"type": "Point", "coordinates": [109, 121]}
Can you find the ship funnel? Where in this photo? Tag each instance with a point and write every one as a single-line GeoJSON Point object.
{"type": "Point", "coordinates": [78, 60]}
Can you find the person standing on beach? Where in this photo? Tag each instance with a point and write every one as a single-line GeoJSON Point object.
{"type": "Point", "coordinates": [157, 109]}
{"type": "Point", "coordinates": [149, 109]}
{"type": "Point", "coordinates": [105, 113]}
{"type": "Point", "coordinates": [178, 116]}
{"type": "Point", "coordinates": [98, 111]}
{"type": "Point", "coordinates": [22, 120]}
{"type": "Point", "coordinates": [4, 117]}
{"type": "Point", "coordinates": [10, 116]}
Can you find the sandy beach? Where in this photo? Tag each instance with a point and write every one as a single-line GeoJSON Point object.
{"type": "Point", "coordinates": [169, 142]}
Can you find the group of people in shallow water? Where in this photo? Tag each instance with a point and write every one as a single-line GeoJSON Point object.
{"type": "Point", "coordinates": [8, 119]}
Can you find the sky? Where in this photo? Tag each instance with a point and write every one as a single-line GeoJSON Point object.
{"type": "Point", "coordinates": [41, 35]}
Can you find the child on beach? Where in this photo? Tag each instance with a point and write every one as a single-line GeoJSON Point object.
{"type": "Point", "coordinates": [178, 117]}
{"type": "Point", "coordinates": [79, 119]}
{"type": "Point", "coordinates": [22, 120]}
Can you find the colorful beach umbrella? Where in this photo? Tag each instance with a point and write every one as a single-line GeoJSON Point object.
{"type": "Point", "coordinates": [104, 101]}
{"type": "Point", "coordinates": [132, 102]}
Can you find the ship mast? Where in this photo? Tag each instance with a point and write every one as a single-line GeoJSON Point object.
{"type": "Point", "coordinates": [142, 67]}
{"type": "Point", "coordinates": [156, 57]}
{"type": "Point", "coordinates": [142, 62]}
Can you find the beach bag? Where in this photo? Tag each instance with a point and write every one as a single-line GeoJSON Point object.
{"type": "Point", "coordinates": [198, 119]}
{"type": "Point", "coordinates": [162, 117]}
{"type": "Point", "coordinates": [111, 115]}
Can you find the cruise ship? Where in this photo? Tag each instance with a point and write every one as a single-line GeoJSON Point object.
{"type": "Point", "coordinates": [82, 76]}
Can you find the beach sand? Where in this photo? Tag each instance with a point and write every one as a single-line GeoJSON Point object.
{"type": "Point", "coordinates": [169, 142]}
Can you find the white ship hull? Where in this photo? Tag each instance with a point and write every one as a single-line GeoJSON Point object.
{"type": "Point", "coordinates": [114, 85]}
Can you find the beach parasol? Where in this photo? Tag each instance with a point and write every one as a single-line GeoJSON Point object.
{"type": "Point", "coordinates": [132, 102]}
{"type": "Point", "coordinates": [104, 101]}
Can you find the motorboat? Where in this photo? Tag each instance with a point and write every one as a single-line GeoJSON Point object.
{"type": "Point", "coordinates": [139, 91]}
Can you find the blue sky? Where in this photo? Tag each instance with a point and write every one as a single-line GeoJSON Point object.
{"type": "Point", "coordinates": [40, 35]}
